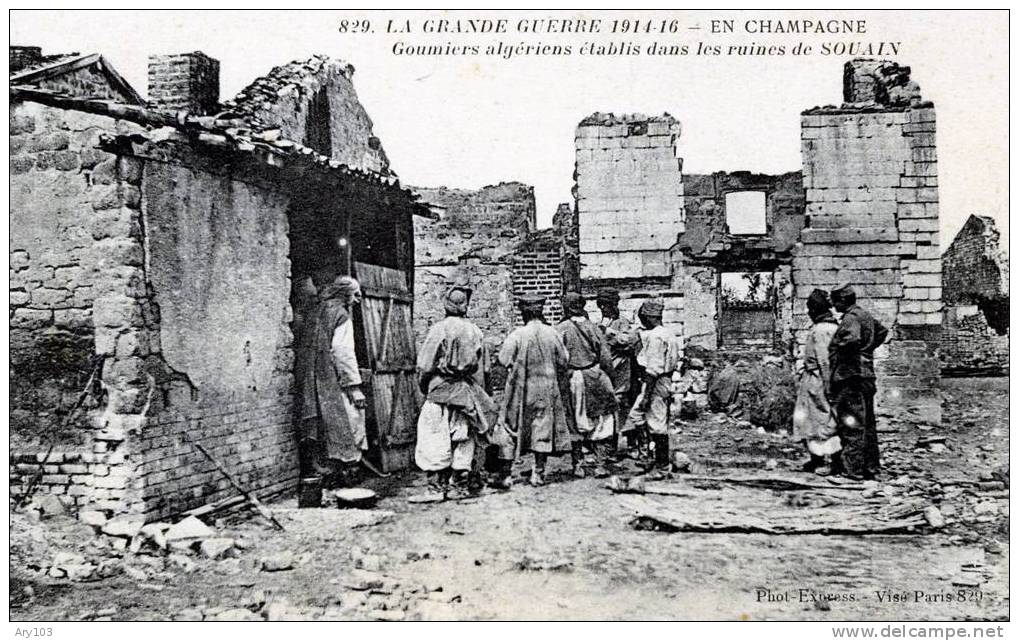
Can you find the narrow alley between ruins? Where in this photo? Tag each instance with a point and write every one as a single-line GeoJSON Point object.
{"type": "Point", "coordinates": [570, 550]}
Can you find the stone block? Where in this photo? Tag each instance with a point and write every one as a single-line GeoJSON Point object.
{"type": "Point", "coordinates": [116, 310]}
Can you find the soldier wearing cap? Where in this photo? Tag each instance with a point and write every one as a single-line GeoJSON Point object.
{"type": "Point", "coordinates": [661, 354]}
{"type": "Point", "coordinates": [532, 417]}
{"type": "Point", "coordinates": [457, 410]}
{"type": "Point", "coordinates": [588, 390]}
{"type": "Point", "coordinates": [621, 337]}
{"type": "Point", "coordinates": [852, 388]}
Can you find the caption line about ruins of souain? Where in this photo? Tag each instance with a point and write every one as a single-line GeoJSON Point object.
{"type": "Point", "coordinates": [711, 38]}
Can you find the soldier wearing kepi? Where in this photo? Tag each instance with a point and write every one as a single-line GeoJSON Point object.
{"type": "Point", "coordinates": [621, 337]}
{"type": "Point", "coordinates": [588, 391]}
{"type": "Point", "coordinates": [456, 409]}
{"type": "Point", "coordinates": [533, 415]}
{"type": "Point", "coordinates": [852, 389]}
{"type": "Point", "coordinates": [661, 354]}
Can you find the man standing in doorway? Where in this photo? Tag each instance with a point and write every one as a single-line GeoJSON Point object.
{"type": "Point", "coordinates": [591, 399]}
{"type": "Point", "coordinates": [331, 399]}
{"type": "Point", "coordinates": [456, 409]}
{"type": "Point", "coordinates": [852, 390]}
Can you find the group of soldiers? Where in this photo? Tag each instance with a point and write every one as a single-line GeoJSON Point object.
{"type": "Point", "coordinates": [598, 392]}
{"type": "Point", "coordinates": [574, 388]}
{"type": "Point", "coordinates": [568, 391]}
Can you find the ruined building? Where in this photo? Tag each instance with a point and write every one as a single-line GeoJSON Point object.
{"type": "Point", "coordinates": [735, 255]}
{"type": "Point", "coordinates": [160, 255]}
{"type": "Point", "coordinates": [975, 333]}
{"type": "Point", "coordinates": [488, 236]}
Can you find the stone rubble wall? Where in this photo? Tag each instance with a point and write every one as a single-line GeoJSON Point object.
{"type": "Point", "coordinates": [970, 345]}
{"type": "Point", "coordinates": [77, 293]}
{"type": "Point", "coordinates": [872, 221]}
{"type": "Point", "coordinates": [975, 267]}
{"type": "Point", "coordinates": [313, 102]}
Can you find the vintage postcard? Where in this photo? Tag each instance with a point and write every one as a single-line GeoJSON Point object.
{"type": "Point", "coordinates": [545, 315]}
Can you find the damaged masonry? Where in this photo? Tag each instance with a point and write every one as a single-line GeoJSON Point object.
{"type": "Point", "coordinates": [162, 254]}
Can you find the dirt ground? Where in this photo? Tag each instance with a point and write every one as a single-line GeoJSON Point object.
{"type": "Point", "coordinates": [568, 550]}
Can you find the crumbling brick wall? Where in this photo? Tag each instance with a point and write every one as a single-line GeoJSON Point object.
{"type": "Point", "coordinates": [870, 171]}
{"type": "Point", "coordinates": [975, 333]}
{"type": "Point", "coordinates": [478, 235]}
{"type": "Point", "coordinates": [218, 267]}
{"type": "Point", "coordinates": [75, 267]}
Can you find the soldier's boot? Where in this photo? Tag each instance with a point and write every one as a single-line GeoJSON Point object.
{"type": "Point", "coordinates": [602, 452]}
{"type": "Point", "coordinates": [459, 485]}
{"type": "Point", "coordinates": [538, 471]}
{"type": "Point", "coordinates": [577, 456]}
{"type": "Point", "coordinates": [438, 483]}
{"type": "Point", "coordinates": [814, 463]}
{"type": "Point", "coordinates": [502, 478]}
{"type": "Point", "coordinates": [660, 464]}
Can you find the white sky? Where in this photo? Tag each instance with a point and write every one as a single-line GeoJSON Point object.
{"type": "Point", "coordinates": [468, 122]}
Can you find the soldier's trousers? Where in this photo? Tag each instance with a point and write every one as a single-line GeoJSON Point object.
{"type": "Point", "coordinates": [853, 404]}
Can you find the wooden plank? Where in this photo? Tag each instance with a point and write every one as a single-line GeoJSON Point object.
{"type": "Point", "coordinates": [384, 338]}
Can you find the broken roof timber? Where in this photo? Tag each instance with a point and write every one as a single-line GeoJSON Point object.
{"type": "Point", "coordinates": [223, 131]}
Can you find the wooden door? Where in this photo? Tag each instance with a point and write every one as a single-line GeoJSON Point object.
{"type": "Point", "coordinates": [392, 392]}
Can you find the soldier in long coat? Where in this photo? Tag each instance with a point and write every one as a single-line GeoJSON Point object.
{"type": "Point", "coordinates": [813, 422]}
{"type": "Point", "coordinates": [851, 354]}
{"type": "Point", "coordinates": [457, 410]}
{"type": "Point", "coordinates": [332, 404]}
{"type": "Point", "coordinates": [533, 412]}
{"type": "Point", "coordinates": [589, 393]}
{"type": "Point", "coordinates": [622, 338]}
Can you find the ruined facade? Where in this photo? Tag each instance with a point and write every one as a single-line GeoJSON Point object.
{"type": "Point", "coordinates": [975, 332]}
{"type": "Point", "coordinates": [488, 236]}
{"type": "Point", "coordinates": [863, 210]}
{"type": "Point", "coordinates": [157, 256]}
{"type": "Point", "coordinates": [871, 179]}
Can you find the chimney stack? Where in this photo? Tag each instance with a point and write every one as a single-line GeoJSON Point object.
{"type": "Point", "coordinates": [188, 81]}
{"type": "Point", "coordinates": [24, 57]}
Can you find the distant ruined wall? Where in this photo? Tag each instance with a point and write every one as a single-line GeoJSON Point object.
{"type": "Point", "coordinates": [870, 173]}
{"type": "Point", "coordinates": [478, 236]}
{"type": "Point", "coordinates": [974, 338]}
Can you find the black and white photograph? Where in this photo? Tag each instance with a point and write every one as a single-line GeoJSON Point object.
{"type": "Point", "coordinates": [509, 315]}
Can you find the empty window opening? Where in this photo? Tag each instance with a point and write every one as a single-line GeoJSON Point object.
{"type": "Point", "coordinates": [746, 315]}
{"type": "Point", "coordinates": [746, 212]}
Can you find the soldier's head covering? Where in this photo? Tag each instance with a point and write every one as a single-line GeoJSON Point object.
{"type": "Point", "coordinates": [608, 296]}
{"type": "Point", "coordinates": [844, 293]}
{"type": "Point", "coordinates": [573, 304]}
{"type": "Point", "coordinates": [652, 308]}
{"type": "Point", "coordinates": [458, 297]}
{"type": "Point", "coordinates": [818, 304]}
{"type": "Point", "coordinates": [531, 303]}
{"type": "Point", "coordinates": [342, 288]}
